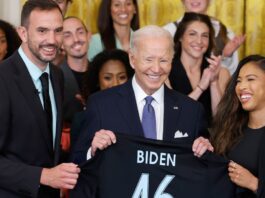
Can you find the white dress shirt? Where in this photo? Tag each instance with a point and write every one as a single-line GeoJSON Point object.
{"type": "Point", "coordinates": [35, 73]}
{"type": "Point", "coordinates": [157, 103]}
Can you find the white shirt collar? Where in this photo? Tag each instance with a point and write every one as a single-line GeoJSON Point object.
{"type": "Point", "coordinates": [140, 94]}
{"type": "Point", "coordinates": [34, 70]}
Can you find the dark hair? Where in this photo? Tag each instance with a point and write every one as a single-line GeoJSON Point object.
{"type": "Point", "coordinates": [231, 118]}
{"type": "Point", "coordinates": [12, 38]}
{"type": "Point", "coordinates": [92, 81]}
{"type": "Point", "coordinates": [221, 39]}
{"type": "Point", "coordinates": [31, 5]}
{"type": "Point", "coordinates": [74, 17]}
{"type": "Point", "coordinates": [188, 18]}
{"type": "Point", "coordinates": [105, 23]}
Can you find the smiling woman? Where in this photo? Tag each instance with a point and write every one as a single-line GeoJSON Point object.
{"type": "Point", "coordinates": [116, 22]}
{"type": "Point", "coordinates": [246, 19]}
{"type": "Point", "coordinates": [109, 68]}
{"type": "Point", "coordinates": [239, 127]}
{"type": "Point", "coordinates": [195, 72]}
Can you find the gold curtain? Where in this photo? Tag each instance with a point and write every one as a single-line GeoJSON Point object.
{"type": "Point", "coordinates": [255, 27]}
{"type": "Point", "coordinates": [241, 16]}
{"type": "Point", "coordinates": [231, 13]}
{"type": "Point", "coordinates": [80, 8]}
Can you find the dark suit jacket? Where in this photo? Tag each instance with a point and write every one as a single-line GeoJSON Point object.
{"type": "Point", "coordinates": [70, 104]}
{"type": "Point", "coordinates": [24, 145]}
{"type": "Point", "coordinates": [115, 109]}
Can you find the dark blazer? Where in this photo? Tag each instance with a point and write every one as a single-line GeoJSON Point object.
{"type": "Point", "coordinates": [24, 145]}
{"type": "Point", "coordinates": [70, 104]}
{"type": "Point", "coordinates": [115, 109]}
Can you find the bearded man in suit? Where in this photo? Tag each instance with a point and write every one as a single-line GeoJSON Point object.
{"type": "Point", "coordinates": [30, 109]}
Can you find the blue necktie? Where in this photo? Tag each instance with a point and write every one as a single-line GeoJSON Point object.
{"type": "Point", "coordinates": [149, 119]}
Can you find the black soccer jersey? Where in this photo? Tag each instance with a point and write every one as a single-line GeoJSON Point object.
{"type": "Point", "coordinates": [142, 168]}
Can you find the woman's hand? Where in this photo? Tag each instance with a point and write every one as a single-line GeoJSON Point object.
{"type": "Point", "coordinates": [233, 44]}
{"type": "Point", "coordinates": [214, 66]}
{"type": "Point", "coordinates": [242, 177]}
{"type": "Point", "coordinates": [205, 79]}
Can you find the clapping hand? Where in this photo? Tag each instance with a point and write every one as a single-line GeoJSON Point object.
{"type": "Point", "coordinates": [214, 66]}
{"type": "Point", "coordinates": [233, 44]}
{"type": "Point", "coordinates": [211, 73]}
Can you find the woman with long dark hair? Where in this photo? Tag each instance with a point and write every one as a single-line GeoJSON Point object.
{"type": "Point", "coordinates": [226, 41]}
{"type": "Point", "coordinates": [195, 71]}
{"type": "Point", "coordinates": [116, 22]}
{"type": "Point", "coordinates": [239, 127]}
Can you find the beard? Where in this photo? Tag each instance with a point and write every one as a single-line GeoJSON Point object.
{"type": "Point", "coordinates": [36, 51]}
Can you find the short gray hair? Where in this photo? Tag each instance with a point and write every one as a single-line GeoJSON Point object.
{"type": "Point", "coordinates": [152, 31]}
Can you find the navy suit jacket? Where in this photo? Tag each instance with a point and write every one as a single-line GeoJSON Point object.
{"type": "Point", "coordinates": [24, 141]}
{"type": "Point", "coordinates": [115, 109]}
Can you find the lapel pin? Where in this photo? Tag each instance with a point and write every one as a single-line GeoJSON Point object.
{"type": "Point", "coordinates": [176, 108]}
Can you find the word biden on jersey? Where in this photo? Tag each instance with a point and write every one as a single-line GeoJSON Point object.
{"type": "Point", "coordinates": [152, 158]}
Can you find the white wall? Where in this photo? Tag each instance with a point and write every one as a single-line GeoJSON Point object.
{"type": "Point", "coordinates": [10, 11]}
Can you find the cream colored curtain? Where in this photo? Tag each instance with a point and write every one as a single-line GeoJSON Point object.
{"type": "Point", "coordinates": [241, 16]}
{"type": "Point", "coordinates": [7, 10]}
